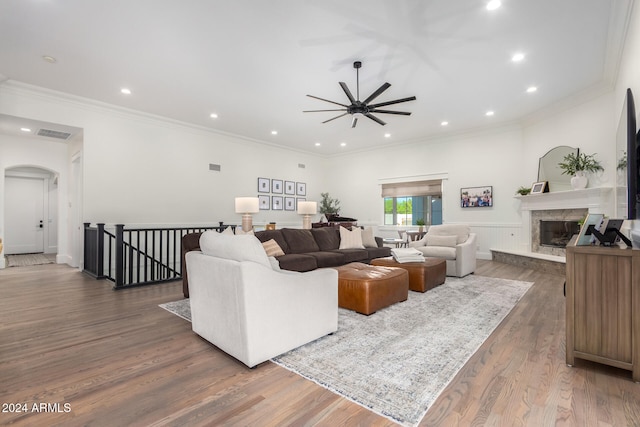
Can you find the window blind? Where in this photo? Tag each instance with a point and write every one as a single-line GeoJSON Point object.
{"type": "Point", "coordinates": [414, 188]}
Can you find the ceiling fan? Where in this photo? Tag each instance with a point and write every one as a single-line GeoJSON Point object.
{"type": "Point", "coordinates": [362, 108]}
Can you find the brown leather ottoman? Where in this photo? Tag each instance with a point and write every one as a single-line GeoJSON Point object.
{"type": "Point", "coordinates": [422, 275]}
{"type": "Point", "coordinates": [367, 289]}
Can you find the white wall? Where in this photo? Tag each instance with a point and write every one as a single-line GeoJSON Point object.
{"type": "Point", "coordinates": [52, 156]}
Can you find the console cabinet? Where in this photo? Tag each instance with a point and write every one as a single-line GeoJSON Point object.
{"type": "Point", "coordinates": [603, 306]}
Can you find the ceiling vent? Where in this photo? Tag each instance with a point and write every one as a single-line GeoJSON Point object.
{"type": "Point", "coordinates": [54, 134]}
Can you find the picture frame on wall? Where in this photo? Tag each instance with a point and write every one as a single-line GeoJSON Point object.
{"type": "Point", "coordinates": [264, 202]}
{"type": "Point", "coordinates": [539, 187]}
{"type": "Point", "coordinates": [301, 189]}
{"type": "Point", "coordinates": [276, 186]}
{"type": "Point", "coordinates": [289, 187]}
{"type": "Point", "coordinates": [476, 197]}
{"type": "Point", "coordinates": [289, 203]}
{"type": "Point", "coordinates": [276, 203]}
{"type": "Point", "coordinates": [264, 185]}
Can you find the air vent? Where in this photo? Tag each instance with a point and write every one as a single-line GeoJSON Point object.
{"type": "Point", "coordinates": [214, 167]}
{"type": "Point", "coordinates": [54, 134]}
{"type": "Point", "coordinates": [301, 165]}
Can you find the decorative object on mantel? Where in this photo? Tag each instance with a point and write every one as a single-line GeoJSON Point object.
{"type": "Point", "coordinates": [329, 207]}
{"type": "Point", "coordinates": [577, 165]}
{"type": "Point", "coordinates": [523, 191]}
{"type": "Point", "coordinates": [540, 187]}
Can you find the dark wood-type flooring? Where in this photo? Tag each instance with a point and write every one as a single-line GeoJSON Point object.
{"type": "Point", "coordinates": [117, 359]}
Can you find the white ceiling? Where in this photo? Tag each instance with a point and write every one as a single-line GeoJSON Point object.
{"type": "Point", "coordinates": [253, 62]}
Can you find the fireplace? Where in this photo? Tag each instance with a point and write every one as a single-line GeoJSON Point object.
{"type": "Point", "coordinates": [556, 234]}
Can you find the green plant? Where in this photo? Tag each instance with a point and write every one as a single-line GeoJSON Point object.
{"type": "Point", "coordinates": [622, 162]}
{"type": "Point", "coordinates": [329, 205]}
{"type": "Point", "coordinates": [420, 221]}
{"type": "Point", "coordinates": [573, 163]}
{"type": "Point", "coordinates": [523, 191]}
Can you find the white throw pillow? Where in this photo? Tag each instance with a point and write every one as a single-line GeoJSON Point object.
{"type": "Point", "coordinates": [227, 231]}
{"type": "Point", "coordinates": [351, 239]}
{"type": "Point", "coordinates": [447, 241]}
{"type": "Point", "coordinates": [238, 248]}
{"type": "Point", "coordinates": [368, 239]}
{"type": "Point", "coordinates": [272, 248]}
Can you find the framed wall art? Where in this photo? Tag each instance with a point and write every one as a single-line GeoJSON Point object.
{"type": "Point", "coordinates": [264, 185]}
{"type": "Point", "coordinates": [276, 186]}
{"type": "Point", "coordinates": [289, 203]}
{"type": "Point", "coordinates": [263, 202]}
{"type": "Point", "coordinates": [289, 187]}
{"type": "Point", "coordinates": [476, 197]}
{"type": "Point", "coordinates": [276, 203]}
{"type": "Point", "coordinates": [301, 189]}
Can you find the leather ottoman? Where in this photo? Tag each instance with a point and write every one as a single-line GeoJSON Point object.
{"type": "Point", "coordinates": [367, 289]}
{"type": "Point", "coordinates": [422, 275]}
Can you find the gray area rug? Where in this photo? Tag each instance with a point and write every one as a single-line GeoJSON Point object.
{"type": "Point", "coordinates": [398, 360]}
{"type": "Point", "coordinates": [25, 260]}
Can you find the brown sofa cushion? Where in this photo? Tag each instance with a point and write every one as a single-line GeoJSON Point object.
{"type": "Point", "coordinates": [297, 262]}
{"type": "Point", "coordinates": [266, 235]}
{"type": "Point", "coordinates": [299, 241]}
{"type": "Point", "coordinates": [328, 258]}
{"type": "Point", "coordinates": [353, 255]}
{"type": "Point", "coordinates": [327, 238]}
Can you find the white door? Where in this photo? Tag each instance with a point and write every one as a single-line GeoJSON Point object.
{"type": "Point", "coordinates": [24, 215]}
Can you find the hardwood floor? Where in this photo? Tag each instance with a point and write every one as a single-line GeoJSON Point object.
{"type": "Point", "coordinates": [116, 358]}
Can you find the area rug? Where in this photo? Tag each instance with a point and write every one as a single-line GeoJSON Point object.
{"type": "Point", "coordinates": [25, 260]}
{"type": "Point", "coordinates": [397, 361]}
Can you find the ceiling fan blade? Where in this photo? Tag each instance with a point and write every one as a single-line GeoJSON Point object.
{"type": "Point", "coordinates": [336, 117]}
{"type": "Point", "coordinates": [375, 119]}
{"type": "Point", "coordinates": [376, 93]}
{"type": "Point", "coordinates": [354, 122]}
{"type": "Point", "coordinates": [326, 100]}
{"type": "Point", "coordinates": [346, 90]}
{"type": "Point", "coordinates": [318, 111]}
{"type": "Point", "coordinates": [402, 113]}
{"type": "Point", "coordinates": [397, 101]}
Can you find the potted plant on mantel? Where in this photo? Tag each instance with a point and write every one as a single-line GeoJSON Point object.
{"type": "Point", "coordinates": [578, 165]}
{"type": "Point", "coordinates": [329, 207]}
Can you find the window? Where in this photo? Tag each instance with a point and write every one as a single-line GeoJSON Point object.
{"type": "Point", "coordinates": [406, 203]}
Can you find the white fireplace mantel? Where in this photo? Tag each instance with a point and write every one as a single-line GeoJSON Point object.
{"type": "Point", "coordinates": [596, 200]}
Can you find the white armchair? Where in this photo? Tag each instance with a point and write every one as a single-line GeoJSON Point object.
{"type": "Point", "coordinates": [250, 310]}
{"type": "Point", "coordinates": [453, 242]}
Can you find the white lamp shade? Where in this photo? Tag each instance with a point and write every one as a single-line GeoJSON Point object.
{"type": "Point", "coordinates": [247, 205]}
{"type": "Point", "coordinates": [307, 208]}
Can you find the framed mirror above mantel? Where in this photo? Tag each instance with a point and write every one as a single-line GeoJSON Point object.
{"type": "Point", "coordinates": [548, 169]}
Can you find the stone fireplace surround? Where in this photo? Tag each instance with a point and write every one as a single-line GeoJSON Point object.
{"type": "Point", "coordinates": [569, 205]}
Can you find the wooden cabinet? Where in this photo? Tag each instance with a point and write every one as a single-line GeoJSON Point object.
{"type": "Point", "coordinates": [603, 306]}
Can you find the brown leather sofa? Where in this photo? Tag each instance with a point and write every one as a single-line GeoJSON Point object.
{"type": "Point", "coordinates": [304, 250]}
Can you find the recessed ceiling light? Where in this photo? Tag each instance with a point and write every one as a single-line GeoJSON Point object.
{"type": "Point", "coordinates": [489, 113]}
{"type": "Point", "coordinates": [493, 4]}
{"type": "Point", "coordinates": [50, 59]}
{"type": "Point", "coordinates": [343, 144]}
{"type": "Point", "coordinates": [25, 129]}
{"type": "Point", "coordinates": [531, 89]}
{"type": "Point", "coordinates": [318, 144]}
{"type": "Point", "coordinates": [445, 123]}
{"type": "Point", "coordinates": [125, 91]}
{"type": "Point", "coordinates": [213, 115]}
{"type": "Point", "coordinates": [387, 135]}
{"type": "Point", "coordinates": [517, 57]}
{"type": "Point", "coordinates": [274, 132]}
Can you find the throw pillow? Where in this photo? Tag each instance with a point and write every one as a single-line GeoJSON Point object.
{"type": "Point", "coordinates": [275, 264]}
{"type": "Point", "coordinates": [227, 231]}
{"type": "Point", "coordinates": [448, 241]}
{"type": "Point", "coordinates": [272, 248]}
{"type": "Point", "coordinates": [351, 239]}
{"type": "Point", "coordinates": [368, 239]}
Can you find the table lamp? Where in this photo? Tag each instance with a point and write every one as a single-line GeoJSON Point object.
{"type": "Point", "coordinates": [306, 209]}
{"type": "Point", "coordinates": [247, 206]}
